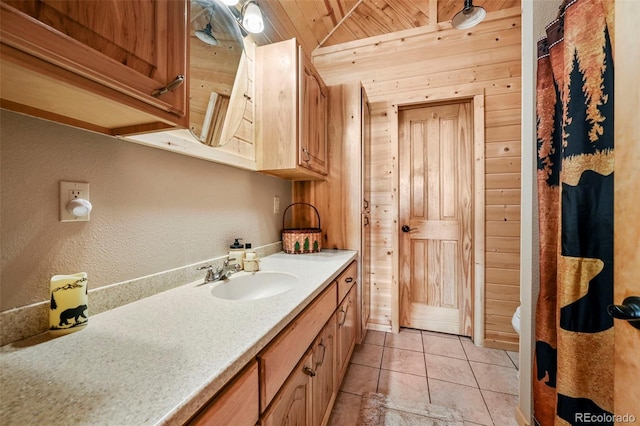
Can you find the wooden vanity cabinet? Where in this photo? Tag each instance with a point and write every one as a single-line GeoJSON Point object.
{"type": "Point", "coordinates": [98, 65]}
{"type": "Point", "coordinates": [296, 377]}
{"type": "Point", "coordinates": [291, 113]}
{"type": "Point", "coordinates": [236, 405]}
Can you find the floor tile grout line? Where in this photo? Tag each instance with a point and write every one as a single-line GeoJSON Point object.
{"type": "Point", "coordinates": [426, 371]}
{"type": "Point", "coordinates": [486, 405]}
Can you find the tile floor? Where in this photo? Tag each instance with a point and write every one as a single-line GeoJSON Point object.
{"type": "Point", "coordinates": [442, 369]}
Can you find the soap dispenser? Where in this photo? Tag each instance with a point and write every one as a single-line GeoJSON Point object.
{"type": "Point", "coordinates": [236, 253]}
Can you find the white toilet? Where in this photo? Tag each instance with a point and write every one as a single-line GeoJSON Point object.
{"type": "Point", "coordinates": [515, 320]}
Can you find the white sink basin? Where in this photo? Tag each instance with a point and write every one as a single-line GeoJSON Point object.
{"type": "Point", "coordinates": [255, 286]}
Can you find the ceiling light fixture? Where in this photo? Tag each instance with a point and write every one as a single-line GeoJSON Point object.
{"type": "Point", "coordinates": [252, 20]}
{"type": "Point", "coordinates": [469, 16]}
{"type": "Point", "coordinates": [230, 2]}
{"type": "Point", "coordinates": [206, 35]}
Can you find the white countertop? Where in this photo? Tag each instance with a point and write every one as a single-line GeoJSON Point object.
{"type": "Point", "coordinates": [157, 360]}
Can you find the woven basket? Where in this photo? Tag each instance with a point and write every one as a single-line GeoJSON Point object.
{"type": "Point", "coordinates": [301, 240]}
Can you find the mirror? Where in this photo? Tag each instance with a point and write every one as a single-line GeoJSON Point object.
{"type": "Point", "coordinates": [220, 120]}
{"type": "Point", "coordinates": [218, 73]}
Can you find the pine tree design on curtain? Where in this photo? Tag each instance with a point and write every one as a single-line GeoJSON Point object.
{"type": "Point", "coordinates": [574, 334]}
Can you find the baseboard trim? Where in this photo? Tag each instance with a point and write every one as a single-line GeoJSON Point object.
{"type": "Point", "coordinates": [521, 418]}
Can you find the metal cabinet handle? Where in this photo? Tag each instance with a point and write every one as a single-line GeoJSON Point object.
{"type": "Point", "coordinates": [324, 350]}
{"type": "Point", "coordinates": [306, 152]}
{"type": "Point", "coordinates": [406, 228]}
{"type": "Point", "coordinates": [309, 371]}
{"type": "Point", "coordinates": [628, 311]}
{"type": "Point", "coordinates": [349, 280]}
{"type": "Point", "coordinates": [169, 87]}
{"type": "Point", "coordinates": [344, 311]}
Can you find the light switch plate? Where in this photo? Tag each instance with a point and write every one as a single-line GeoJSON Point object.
{"type": "Point", "coordinates": [69, 191]}
{"type": "Point", "coordinates": [276, 205]}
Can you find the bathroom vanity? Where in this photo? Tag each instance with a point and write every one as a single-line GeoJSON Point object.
{"type": "Point", "coordinates": [186, 356]}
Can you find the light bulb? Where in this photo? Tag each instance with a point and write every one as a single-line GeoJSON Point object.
{"type": "Point", "coordinates": [252, 20]}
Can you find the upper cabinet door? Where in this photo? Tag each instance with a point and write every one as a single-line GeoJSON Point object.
{"type": "Point", "coordinates": [313, 138]}
{"type": "Point", "coordinates": [130, 52]}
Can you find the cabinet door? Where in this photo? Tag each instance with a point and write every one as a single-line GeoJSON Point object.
{"type": "Point", "coordinates": [236, 405]}
{"type": "Point", "coordinates": [292, 405]}
{"type": "Point", "coordinates": [313, 143]}
{"type": "Point", "coordinates": [365, 266]}
{"type": "Point", "coordinates": [324, 388]}
{"type": "Point", "coordinates": [347, 322]}
{"type": "Point", "coordinates": [365, 284]}
{"type": "Point", "coordinates": [133, 47]}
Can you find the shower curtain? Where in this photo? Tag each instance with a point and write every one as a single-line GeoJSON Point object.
{"type": "Point", "coordinates": [573, 367]}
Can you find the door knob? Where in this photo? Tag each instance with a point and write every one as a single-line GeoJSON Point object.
{"type": "Point", "coordinates": [405, 228]}
{"type": "Point", "coordinates": [628, 311]}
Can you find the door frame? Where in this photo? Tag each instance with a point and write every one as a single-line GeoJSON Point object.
{"type": "Point", "coordinates": [476, 98]}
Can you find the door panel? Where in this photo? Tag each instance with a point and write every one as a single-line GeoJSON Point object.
{"type": "Point", "coordinates": [436, 199]}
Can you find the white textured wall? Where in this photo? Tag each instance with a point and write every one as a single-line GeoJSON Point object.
{"type": "Point", "coordinates": [153, 210]}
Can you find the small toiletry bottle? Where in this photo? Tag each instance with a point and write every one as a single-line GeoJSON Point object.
{"type": "Point", "coordinates": [250, 259]}
{"type": "Point", "coordinates": [250, 253]}
{"type": "Point", "coordinates": [236, 253]}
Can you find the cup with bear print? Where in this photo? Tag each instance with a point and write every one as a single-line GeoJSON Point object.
{"type": "Point", "coordinates": [68, 310]}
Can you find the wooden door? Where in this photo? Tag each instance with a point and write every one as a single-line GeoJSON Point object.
{"type": "Point", "coordinates": [626, 278]}
{"type": "Point", "coordinates": [436, 218]}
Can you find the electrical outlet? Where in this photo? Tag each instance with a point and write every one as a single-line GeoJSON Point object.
{"type": "Point", "coordinates": [276, 205]}
{"type": "Point", "coordinates": [70, 191]}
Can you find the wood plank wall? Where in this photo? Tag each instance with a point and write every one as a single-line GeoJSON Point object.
{"type": "Point", "coordinates": [242, 144]}
{"type": "Point", "coordinates": [435, 63]}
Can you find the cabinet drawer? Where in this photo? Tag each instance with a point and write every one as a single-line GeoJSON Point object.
{"type": "Point", "coordinates": [346, 280]}
{"type": "Point", "coordinates": [236, 405]}
{"type": "Point", "coordinates": [284, 352]}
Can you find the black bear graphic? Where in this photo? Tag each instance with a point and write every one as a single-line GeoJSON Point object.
{"type": "Point", "coordinates": [547, 362]}
{"type": "Point", "coordinates": [72, 313]}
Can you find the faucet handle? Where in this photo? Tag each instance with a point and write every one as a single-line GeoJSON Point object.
{"type": "Point", "coordinates": [205, 267]}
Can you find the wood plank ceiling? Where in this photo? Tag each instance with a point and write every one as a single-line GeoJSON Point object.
{"type": "Point", "coordinates": [321, 23]}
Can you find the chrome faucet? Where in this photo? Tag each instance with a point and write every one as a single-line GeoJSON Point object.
{"type": "Point", "coordinates": [218, 273]}
{"type": "Point", "coordinates": [231, 268]}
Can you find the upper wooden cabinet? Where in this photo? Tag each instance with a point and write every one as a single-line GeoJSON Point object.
{"type": "Point", "coordinates": [112, 66]}
{"type": "Point", "coordinates": [291, 113]}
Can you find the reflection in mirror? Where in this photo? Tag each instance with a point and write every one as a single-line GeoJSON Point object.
{"type": "Point", "coordinates": [218, 76]}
